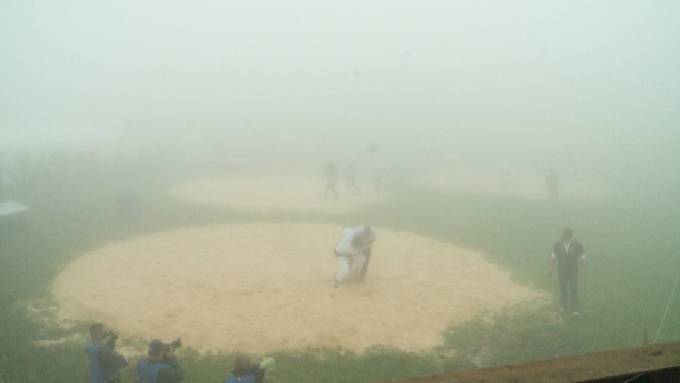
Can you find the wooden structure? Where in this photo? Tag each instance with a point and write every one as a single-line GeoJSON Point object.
{"type": "Point", "coordinates": [649, 364]}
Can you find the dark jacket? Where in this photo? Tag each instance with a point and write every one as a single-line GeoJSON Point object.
{"type": "Point", "coordinates": [168, 371]}
{"type": "Point", "coordinates": [256, 371]}
{"type": "Point", "coordinates": [567, 260]}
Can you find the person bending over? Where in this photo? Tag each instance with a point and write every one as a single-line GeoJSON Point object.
{"type": "Point", "coordinates": [353, 253]}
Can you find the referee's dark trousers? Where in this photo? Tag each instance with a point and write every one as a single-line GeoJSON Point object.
{"type": "Point", "coordinates": [568, 280]}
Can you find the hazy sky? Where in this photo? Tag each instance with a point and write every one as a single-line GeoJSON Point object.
{"type": "Point", "coordinates": [503, 77]}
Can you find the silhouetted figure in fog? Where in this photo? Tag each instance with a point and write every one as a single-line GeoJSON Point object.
{"type": "Point", "coordinates": [378, 182]}
{"type": "Point", "coordinates": [372, 148]}
{"type": "Point", "coordinates": [128, 205]}
{"type": "Point", "coordinates": [377, 173]}
{"type": "Point", "coordinates": [552, 185]}
{"type": "Point", "coordinates": [351, 178]}
{"type": "Point", "coordinates": [7, 185]}
{"type": "Point", "coordinates": [567, 256]}
{"type": "Point", "coordinates": [330, 173]}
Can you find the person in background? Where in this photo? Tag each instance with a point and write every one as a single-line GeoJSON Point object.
{"type": "Point", "coordinates": [330, 173]}
{"type": "Point", "coordinates": [377, 172]}
{"type": "Point", "coordinates": [128, 205]}
{"type": "Point", "coordinates": [351, 178]}
{"type": "Point", "coordinates": [567, 257]}
{"type": "Point", "coordinates": [103, 361]}
{"type": "Point", "coordinates": [353, 253]}
{"type": "Point", "coordinates": [552, 184]}
{"type": "Point", "coordinates": [161, 365]}
{"type": "Point", "coordinates": [245, 371]}
{"type": "Point", "coordinates": [8, 185]}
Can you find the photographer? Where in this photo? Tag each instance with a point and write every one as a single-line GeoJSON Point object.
{"type": "Point", "coordinates": [104, 362]}
{"type": "Point", "coordinates": [245, 371]}
{"type": "Point", "coordinates": [161, 366]}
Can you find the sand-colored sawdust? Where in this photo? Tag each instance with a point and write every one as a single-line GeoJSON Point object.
{"type": "Point", "coordinates": [267, 194]}
{"type": "Point", "coordinates": [516, 185]}
{"type": "Point", "coordinates": [265, 286]}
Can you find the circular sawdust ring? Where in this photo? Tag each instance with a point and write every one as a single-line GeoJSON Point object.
{"type": "Point", "coordinates": [267, 286]}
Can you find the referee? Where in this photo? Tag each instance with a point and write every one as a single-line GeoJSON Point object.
{"type": "Point", "coordinates": [567, 256]}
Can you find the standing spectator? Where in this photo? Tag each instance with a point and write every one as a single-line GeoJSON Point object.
{"type": "Point", "coordinates": [351, 178]}
{"type": "Point", "coordinates": [567, 256]}
{"type": "Point", "coordinates": [552, 184]}
{"type": "Point", "coordinates": [330, 173]}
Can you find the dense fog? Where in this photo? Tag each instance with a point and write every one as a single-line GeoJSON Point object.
{"type": "Point", "coordinates": [588, 87]}
{"type": "Point", "coordinates": [216, 170]}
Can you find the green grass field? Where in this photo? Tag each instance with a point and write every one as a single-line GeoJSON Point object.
{"type": "Point", "coordinates": [632, 265]}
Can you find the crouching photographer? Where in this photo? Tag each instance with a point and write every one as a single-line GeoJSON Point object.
{"type": "Point", "coordinates": [104, 362]}
{"type": "Point", "coordinates": [161, 365]}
